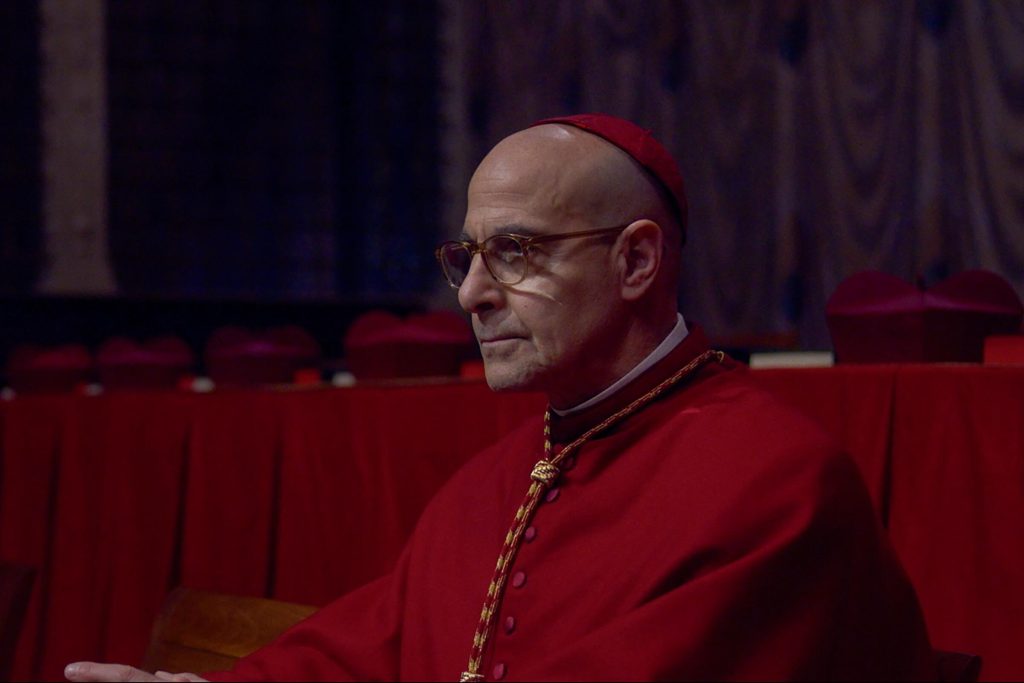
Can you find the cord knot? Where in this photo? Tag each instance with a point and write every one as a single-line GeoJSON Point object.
{"type": "Point", "coordinates": [544, 472]}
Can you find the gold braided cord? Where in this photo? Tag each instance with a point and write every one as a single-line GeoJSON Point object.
{"type": "Point", "coordinates": [640, 403]}
{"type": "Point", "coordinates": [543, 475]}
{"type": "Point", "coordinates": [544, 472]}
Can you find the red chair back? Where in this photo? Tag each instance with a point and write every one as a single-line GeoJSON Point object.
{"type": "Point", "coordinates": [236, 356]}
{"type": "Point", "coordinates": [156, 364]}
{"type": "Point", "coordinates": [380, 345]}
{"type": "Point", "coordinates": [875, 318]}
{"type": "Point", "coordinates": [32, 369]}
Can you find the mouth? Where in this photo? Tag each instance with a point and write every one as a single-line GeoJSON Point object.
{"type": "Point", "coordinates": [499, 340]}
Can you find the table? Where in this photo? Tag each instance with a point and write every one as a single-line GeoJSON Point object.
{"type": "Point", "coordinates": [303, 495]}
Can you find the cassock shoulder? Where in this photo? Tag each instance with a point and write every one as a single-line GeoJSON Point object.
{"type": "Point", "coordinates": [761, 470]}
{"type": "Point", "coordinates": [744, 545]}
{"type": "Point", "coordinates": [726, 441]}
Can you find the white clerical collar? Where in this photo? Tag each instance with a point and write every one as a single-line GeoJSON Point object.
{"type": "Point", "coordinates": [677, 335]}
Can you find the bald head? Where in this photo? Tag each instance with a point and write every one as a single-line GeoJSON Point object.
{"type": "Point", "coordinates": [579, 175]}
{"type": "Point", "coordinates": [581, 180]}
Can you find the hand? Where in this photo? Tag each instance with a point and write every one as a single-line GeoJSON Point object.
{"type": "Point", "coordinates": [183, 677]}
{"type": "Point", "coordinates": [92, 671]}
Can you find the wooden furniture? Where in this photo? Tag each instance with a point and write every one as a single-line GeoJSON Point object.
{"type": "Point", "coordinates": [200, 631]}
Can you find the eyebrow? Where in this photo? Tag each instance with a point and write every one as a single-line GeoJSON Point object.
{"type": "Point", "coordinates": [510, 229]}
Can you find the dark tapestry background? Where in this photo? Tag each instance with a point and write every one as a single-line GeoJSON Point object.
{"type": "Point", "coordinates": [817, 137]}
{"type": "Point", "coordinates": [318, 150]}
{"type": "Point", "coordinates": [272, 150]}
{"type": "Point", "coordinates": [20, 144]}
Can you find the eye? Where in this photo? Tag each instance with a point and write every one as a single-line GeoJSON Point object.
{"type": "Point", "coordinates": [504, 249]}
{"type": "Point", "coordinates": [508, 255]}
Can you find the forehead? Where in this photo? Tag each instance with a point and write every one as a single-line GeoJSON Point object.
{"type": "Point", "coordinates": [530, 180]}
{"type": "Point", "coordinates": [511, 196]}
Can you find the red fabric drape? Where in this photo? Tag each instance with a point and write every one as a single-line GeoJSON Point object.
{"type": "Point", "coordinates": [854, 404]}
{"type": "Point", "coordinates": [30, 447]}
{"type": "Point", "coordinates": [230, 493]}
{"type": "Point", "coordinates": [957, 512]}
{"type": "Point", "coordinates": [115, 521]}
{"type": "Point", "coordinates": [303, 495]}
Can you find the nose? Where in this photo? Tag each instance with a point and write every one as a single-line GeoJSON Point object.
{"type": "Point", "coordinates": [479, 292]}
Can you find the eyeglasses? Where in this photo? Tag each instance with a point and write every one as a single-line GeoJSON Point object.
{"type": "Point", "coordinates": [505, 256]}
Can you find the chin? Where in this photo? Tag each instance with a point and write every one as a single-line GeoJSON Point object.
{"type": "Point", "coordinates": [502, 378]}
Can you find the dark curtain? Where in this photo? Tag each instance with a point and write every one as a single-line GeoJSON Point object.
{"type": "Point", "coordinates": [818, 138]}
{"type": "Point", "coordinates": [270, 149]}
{"type": "Point", "coordinates": [385, 57]}
{"type": "Point", "coordinates": [20, 148]}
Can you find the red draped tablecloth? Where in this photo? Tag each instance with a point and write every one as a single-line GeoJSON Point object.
{"type": "Point", "coordinates": [942, 449]}
{"type": "Point", "coordinates": [304, 495]}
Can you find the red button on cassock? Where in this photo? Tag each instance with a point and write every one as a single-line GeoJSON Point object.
{"type": "Point", "coordinates": [519, 579]}
{"type": "Point", "coordinates": [530, 534]}
{"type": "Point", "coordinates": [499, 671]}
{"type": "Point", "coordinates": [552, 495]}
{"type": "Point", "coordinates": [510, 625]}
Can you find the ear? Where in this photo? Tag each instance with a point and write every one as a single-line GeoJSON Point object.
{"type": "Point", "coordinates": [639, 257]}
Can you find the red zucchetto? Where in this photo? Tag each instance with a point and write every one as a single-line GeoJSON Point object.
{"type": "Point", "coordinates": [640, 144]}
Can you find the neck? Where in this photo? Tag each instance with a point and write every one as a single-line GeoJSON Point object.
{"type": "Point", "coordinates": [628, 349]}
{"type": "Point", "coordinates": [569, 425]}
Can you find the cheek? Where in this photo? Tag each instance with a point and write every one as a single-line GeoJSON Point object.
{"type": "Point", "coordinates": [557, 324]}
{"type": "Point", "coordinates": [562, 311]}
{"type": "Point", "coordinates": [538, 317]}
{"type": "Point", "coordinates": [534, 292]}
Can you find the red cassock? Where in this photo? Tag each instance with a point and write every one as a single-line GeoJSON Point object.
{"type": "Point", "coordinates": [715, 534]}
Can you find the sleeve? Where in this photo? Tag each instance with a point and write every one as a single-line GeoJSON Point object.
{"type": "Point", "coordinates": [355, 638]}
{"type": "Point", "coordinates": [800, 588]}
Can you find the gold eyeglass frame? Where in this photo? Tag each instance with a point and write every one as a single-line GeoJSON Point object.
{"type": "Point", "coordinates": [525, 244]}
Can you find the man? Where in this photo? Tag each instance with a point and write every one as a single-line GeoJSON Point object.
{"type": "Point", "coordinates": [665, 520]}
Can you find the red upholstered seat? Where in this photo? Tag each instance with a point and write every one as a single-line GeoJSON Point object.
{"type": "Point", "coordinates": [381, 345]}
{"type": "Point", "coordinates": [32, 369]}
{"type": "Point", "coordinates": [158, 363]}
{"type": "Point", "coordinates": [237, 356]}
{"type": "Point", "coordinates": [875, 318]}
{"type": "Point", "coordinates": [15, 590]}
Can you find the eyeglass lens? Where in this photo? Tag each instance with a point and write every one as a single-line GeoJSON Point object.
{"type": "Point", "coordinates": [503, 257]}
{"type": "Point", "coordinates": [455, 260]}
